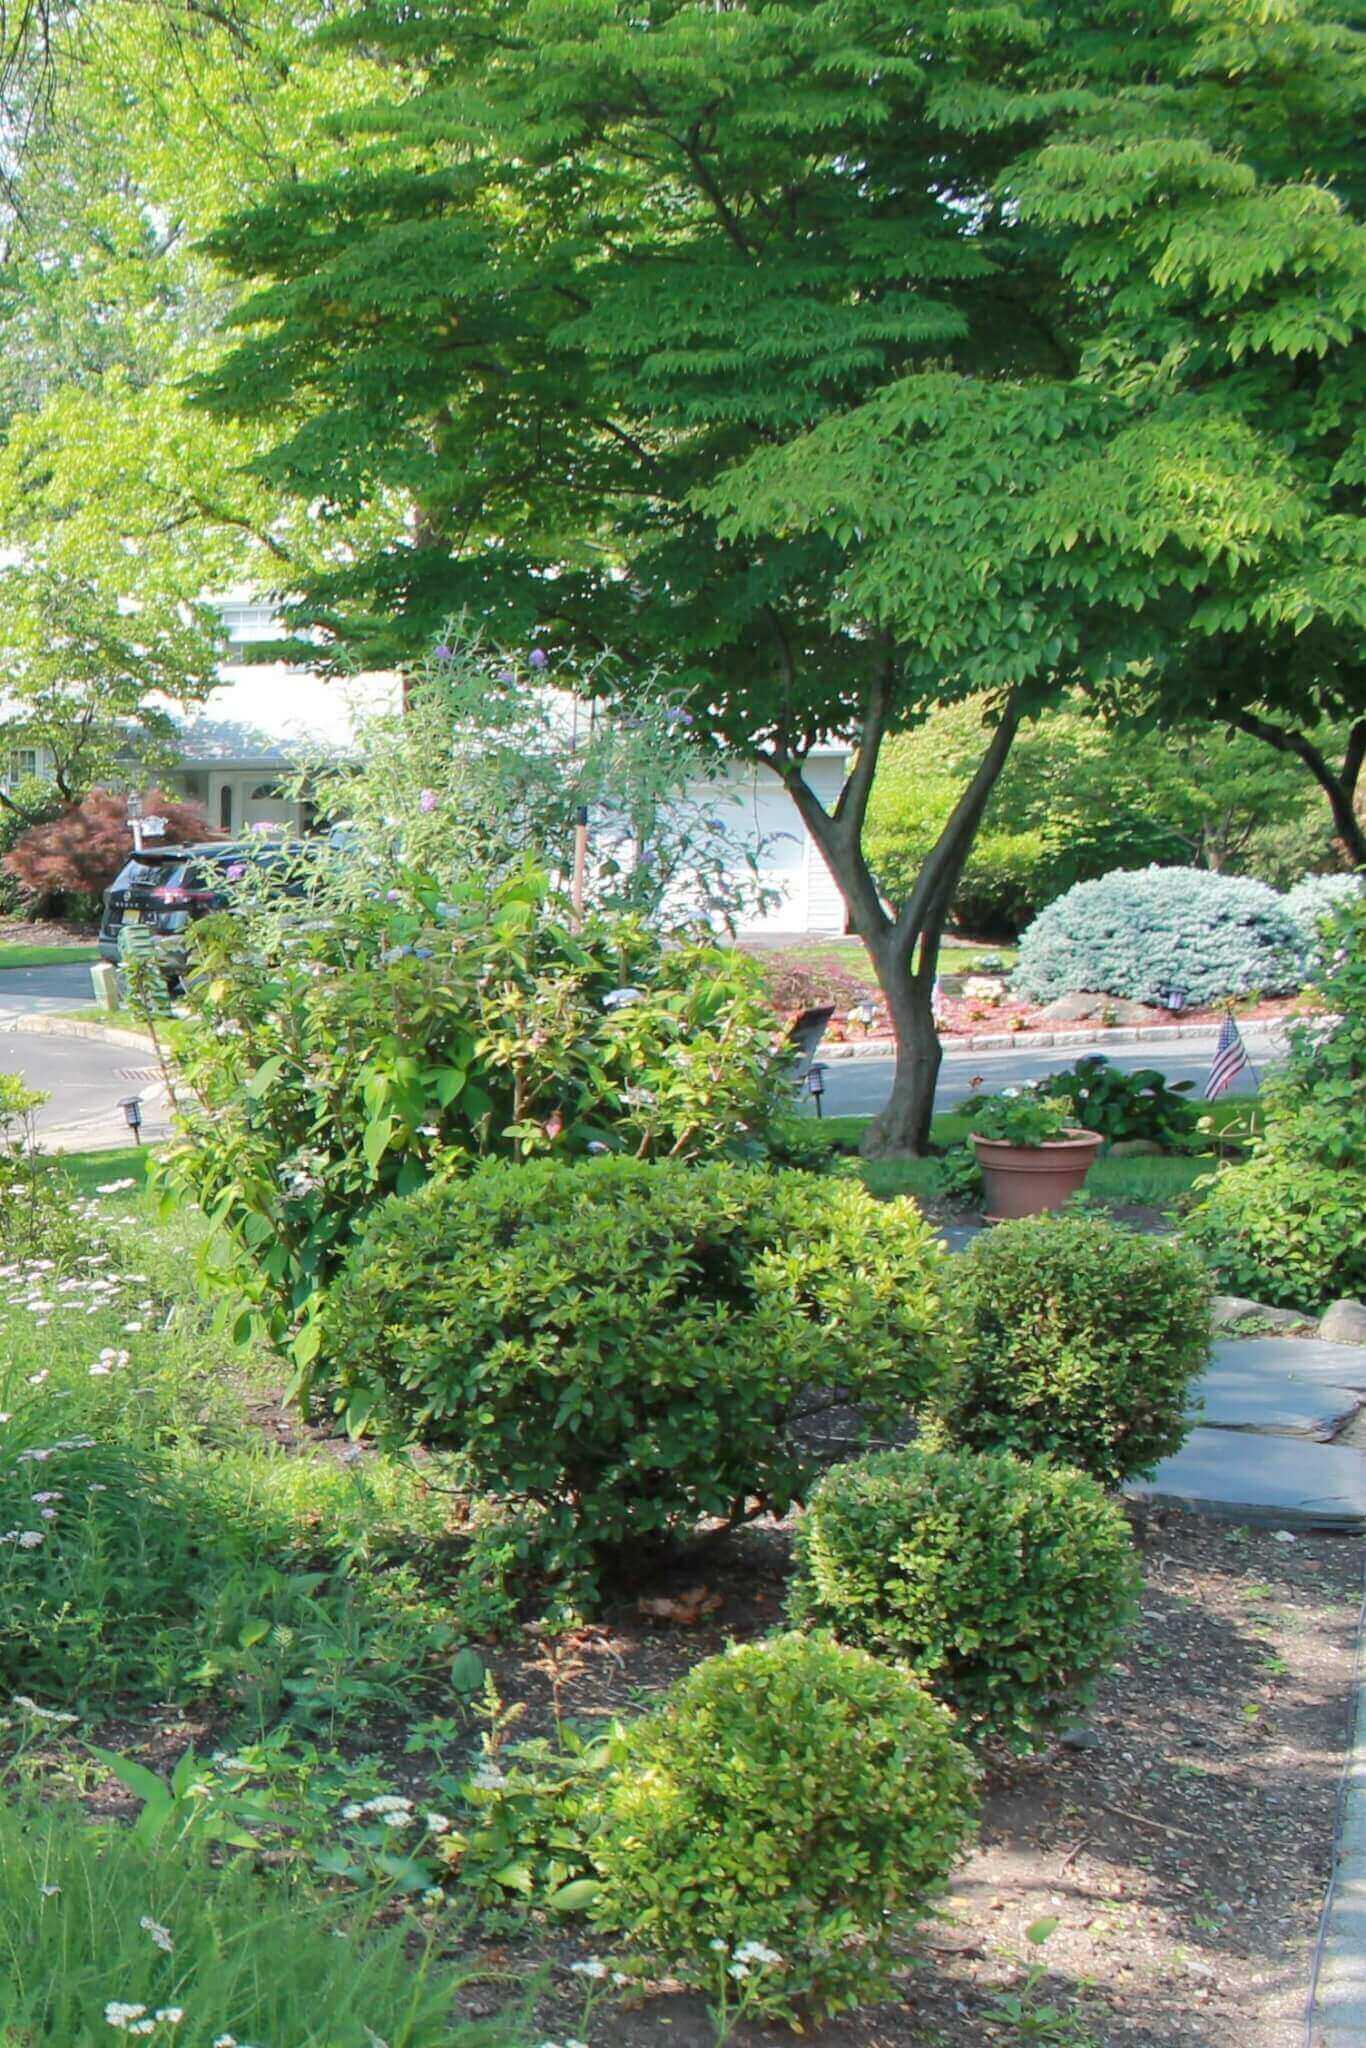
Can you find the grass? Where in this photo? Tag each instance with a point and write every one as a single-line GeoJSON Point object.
{"type": "Point", "coordinates": [1144, 1181]}
{"type": "Point", "coordinates": [91, 1170]}
{"type": "Point", "coordinates": [94, 1013]}
{"type": "Point", "coordinates": [48, 956]}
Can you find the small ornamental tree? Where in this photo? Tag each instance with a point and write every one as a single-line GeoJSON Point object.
{"type": "Point", "coordinates": [80, 852]}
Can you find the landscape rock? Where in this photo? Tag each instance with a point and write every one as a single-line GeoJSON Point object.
{"type": "Point", "coordinates": [1232, 1308]}
{"type": "Point", "coordinates": [1087, 1007]}
{"type": "Point", "coordinates": [1344, 1322]}
{"type": "Point", "coordinates": [1278, 1482]}
{"type": "Point", "coordinates": [984, 988]}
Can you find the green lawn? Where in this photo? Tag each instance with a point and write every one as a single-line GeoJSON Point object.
{"type": "Point", "coordinates": [93, 1013]}
{"type": "Point", "coordinates": [91, 1170]}
{"type": "Point", "coordinates": [48, 956]}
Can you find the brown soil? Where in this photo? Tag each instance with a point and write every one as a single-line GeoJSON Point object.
{"type": "Point", "coordinates": [22, 931]}
{"type": "Point", "coordinates": [1184, 1856]}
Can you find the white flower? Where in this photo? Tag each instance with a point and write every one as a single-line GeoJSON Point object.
{"type": "Point", "coordinates": [738, 1970]}
{"type": "Point", "coordinates": [50, 1891]}
{"type": "Point", "coordinates": [395, 1820]}
{"type": "Point", "coordinates": [40, 1500]}
{"type": "Point", "coordinates": [388, 1802]}
{"type": "Point", "coordinates": [594, 1967]}
{"type": "Point", "coordinates": [160, 1935]}
{"type": "Point", "coordinates": [486, 1776]}
{"type": "Point", "coordinates": [29, 1539]}
{"type": "Point", "coordinates": [122, 2016]}
{"type": "Point", "coordinates": [756, 1952]}
{"type": "Point", "coordinates": [352, 1812]}
{"type": "Point", "coordinates": [35, 1379]}
{"type": "Point", "coordinates": [437, 1823]}
{"type": "Point", "coordinates": [170, 2015]}
{"type": "Point", "coordinates": [719, 1946]}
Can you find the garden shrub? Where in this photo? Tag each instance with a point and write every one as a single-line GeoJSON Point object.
{"type": "Point", "coordinates": [1315, 898]}
{"type": "Point", "coordinates": [338, 1059]}
{"type": "Point", "coordinates": [102, 1928]}
{"type": "Point", "coordinates": [1285, 1231]}
{"type": "Point", "coordinates": [78, 853]}
{"type": "Point", "coordinates": [1081, 1341]}
{"type": "Point", "coordinates": [794, 1794]}
{"type": "Point", "coordinates": [634, 1346]}
{"type": "Point", "coordinates": [1170, 936]}
{"type": "Point", "coordinates": [1288, 1226]}
{"type": "Point", "coordinates": [1005, 1586]}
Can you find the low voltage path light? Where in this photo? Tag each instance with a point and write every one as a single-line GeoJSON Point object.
{"type": "Point", "coordinates": [815, 1084]}
{"type": "Point", "coordinates": [131, 1105]}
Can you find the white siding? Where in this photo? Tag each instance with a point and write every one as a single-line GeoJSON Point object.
{"type": "Point", "coordinates": [762, 816]}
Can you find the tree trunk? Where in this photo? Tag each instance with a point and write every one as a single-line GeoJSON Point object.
{"type": "Point", "coordinates": [1339, 785]}
{"type": "Point", "coordinates": [894, 942]}
{"type": "Point", "coordinates": [903, 1123]}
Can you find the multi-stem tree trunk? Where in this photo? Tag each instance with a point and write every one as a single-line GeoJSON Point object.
{"type": "Point", "coordinates": [1339, 784]}
{"type": "Point", "coordinates": [903, 943]}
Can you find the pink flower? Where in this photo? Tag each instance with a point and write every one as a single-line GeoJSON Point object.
{"type": "Point", "coordinates": [428, 800]}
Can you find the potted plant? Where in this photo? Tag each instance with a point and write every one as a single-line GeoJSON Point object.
{"type": "Point", "coordinates": [1031, 1152]}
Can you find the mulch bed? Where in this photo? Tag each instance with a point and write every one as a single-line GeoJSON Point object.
{"type": "Point", "coordinates": [1184, 1855]}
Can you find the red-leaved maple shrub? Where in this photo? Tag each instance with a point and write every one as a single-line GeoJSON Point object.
{"type": "Point", "coordinates": [80, 853]}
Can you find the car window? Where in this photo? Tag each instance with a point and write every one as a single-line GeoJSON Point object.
{"type": "Point", "coordinates": [155, 874]}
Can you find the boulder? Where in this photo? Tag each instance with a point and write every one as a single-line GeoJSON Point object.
{"type": "Point", "coordinates": [984, 988]}
{"type": "Point", "coordinates": [1344, 1323]}
{"type": "Point", "coordinates": [1232, 1308]}
{"type": "Point", "coordinates": [1085, 1007]}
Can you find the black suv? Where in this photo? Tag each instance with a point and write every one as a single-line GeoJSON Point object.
{"type": "Point", "coordinates": [167, 887]}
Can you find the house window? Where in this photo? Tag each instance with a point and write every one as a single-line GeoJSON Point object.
{"type": "Point", "coordinates": [21, 763]}
{"type": "Point", "coordinates": [225, 807]}
{"type": "Point", "coordinates": [244, 623]}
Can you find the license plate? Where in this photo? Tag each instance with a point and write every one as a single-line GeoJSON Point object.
{"type": "Point", "coordinates": [132, 917]}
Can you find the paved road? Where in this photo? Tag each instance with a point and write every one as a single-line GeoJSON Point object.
{"type": "Point", "coordinates": [859, 1087]}
{"type": "Point", "coordinates": [44, 988]}
{"type": "Point", "coordinates": [84, 1081]}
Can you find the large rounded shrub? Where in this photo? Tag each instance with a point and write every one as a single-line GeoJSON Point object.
{"type": "Point", "coordinates": [790, 1797]}
{"type": "Point", "coordinates": [1311, 901]}
{"type": "Point", "coordinates": [1081, 1343]}
{"type": "Point", "coordinates": [632, 1346]}
{"type": "Point", "coordinates": [1155, 934]}
{"type": "Point", "coordinates": [1004, 1585]}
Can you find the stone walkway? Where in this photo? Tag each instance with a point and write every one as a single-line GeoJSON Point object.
{"type": "Point", "coordinates": [1262, 1449]}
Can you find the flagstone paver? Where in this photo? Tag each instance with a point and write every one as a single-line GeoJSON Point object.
{"type": "Point", "coordinates": [1276, 1482]}
{"type": "Point", "coordinates": [1249, 1397]}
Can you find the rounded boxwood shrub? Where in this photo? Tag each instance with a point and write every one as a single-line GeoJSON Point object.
{"type": "Point", "coordinates": [793, 1795]}
{"type": "Point", "coordinates": [1005, 1585]}
{"type": "Point", "coordinates": [1081, 1343]}
{"type": "Point", "coordinates": [632, 1346]}
{"type": "Point", "coordinates": [1153, 934]}
{"type": "Point", "coordinates": [1311, 901]}
{"type": "Point", "coordinates": [1285, 1230]}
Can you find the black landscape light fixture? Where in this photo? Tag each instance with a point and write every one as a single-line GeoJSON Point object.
{"type": "Point", "coordinates": [815, 1084]}
{"type": "Point", "coordinates": [131, 1105]}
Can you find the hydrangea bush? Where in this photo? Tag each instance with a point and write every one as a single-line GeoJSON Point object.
{"type": "Point", "coordinates": [632, 1347]}
{"type": "Point", "coordinates": [340, 1056]}
{"type": "Point", "coordinates": [1169, 936]}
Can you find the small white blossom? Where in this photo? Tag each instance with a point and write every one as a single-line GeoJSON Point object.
{"type": "Point", "coordinates": [50, 1891]}
{"type": "Point", "coordinates": [437, 1823]}
{"type": "Point", "coordinates": [122, 2016]}
{"type": "Point", "coordinates": [160, 1935]}
{"type": "Point", "coordinates": [593, 1967]}
{"type": "Point", "coordinates": [170, 2015]}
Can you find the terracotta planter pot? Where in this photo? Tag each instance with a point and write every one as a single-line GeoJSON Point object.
{"type": "Point", "coordinates": [1027, 1180]}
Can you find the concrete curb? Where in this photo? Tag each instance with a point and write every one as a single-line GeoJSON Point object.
{"type": "Point", "coordinates": [1336, 2015]}
{"type": "Point", "coordinates": [1001, 1041]}
{"type": "Point", "coordinates": [52, 1024]}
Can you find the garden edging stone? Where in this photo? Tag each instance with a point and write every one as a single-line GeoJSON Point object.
{"type": "Point", "coordinates": [988, 1041]}
{"type": "Point", "coordinates": [57, 1026]}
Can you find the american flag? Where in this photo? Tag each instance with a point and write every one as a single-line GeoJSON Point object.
{"type": "Point", "coordinates": [1230, 1060]}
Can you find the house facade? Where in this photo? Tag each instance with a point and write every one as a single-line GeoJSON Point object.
{"type": "Point", "coordinates": [263, 719]}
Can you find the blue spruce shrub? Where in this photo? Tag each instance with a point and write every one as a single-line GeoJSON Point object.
{"type": "Point", "coordinates": [1152, 933]}
{"type": "Point", "coordinates": [1315, 898]}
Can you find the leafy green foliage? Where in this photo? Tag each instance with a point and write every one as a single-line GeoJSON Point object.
{"type": "Point", "coordinates": [1172, 936]}
{"type": "Point", "coordinates": [631, 1346]}
{"type": "Point", "coordinates": [1122, 1104]}
{"type": "Point", "coordinates": [94, 1916]}
{"type": "Point", "coordinates": [1004, 1586]}
{"type": "Point", "coordinates": [1081, 1343]}
{"type": "Point", "coordinates": [1027, 1116]}
{"type": "Point", "coordinates": [792, 1793]}
{"type": "Point", "coordinates": [1287, 1226]}
{"type": "Point", "coordinates": [338, 1058]}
